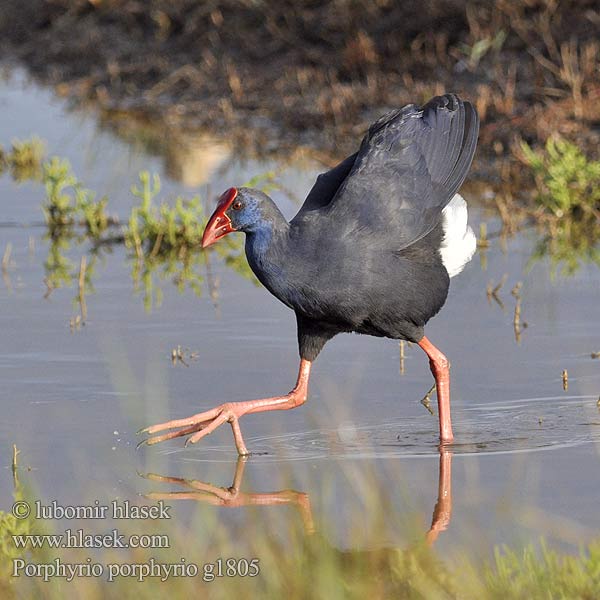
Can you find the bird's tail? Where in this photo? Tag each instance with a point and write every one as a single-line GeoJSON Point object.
{"type": "Point", "coordinates": [455, 125]}
{"type": "Point", "coordinates": [459, 243]}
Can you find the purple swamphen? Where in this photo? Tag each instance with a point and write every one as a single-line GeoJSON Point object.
{"type": "Point", "coordinates": [371, 250]}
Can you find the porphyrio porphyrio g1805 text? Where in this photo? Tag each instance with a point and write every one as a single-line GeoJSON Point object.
{"type": "Point", "coordinates": [371, 250]}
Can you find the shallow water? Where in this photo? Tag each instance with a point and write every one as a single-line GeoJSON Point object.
{"type": "Point", "coordinates": [525, 462]}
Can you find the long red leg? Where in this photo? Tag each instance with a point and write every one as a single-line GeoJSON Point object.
{"type": "Point", "coordinates": [201, 424]}
{"type": "Point", "coordinates": [440, 367]}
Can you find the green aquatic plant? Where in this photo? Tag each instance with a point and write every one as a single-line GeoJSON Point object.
{"type": "Point", "coordinates": [189, 269]}
{"type": "Point", "coordinates": [166, 238]}
{"type": "Point", "coordinates": [59, 208]}
{"type": "Point", "coordinates": [24, 159]}
{"type": "Point", "coordinates": [266, 182]}
{"type": "Point", "coordinates": [167, 241]}
{"type": "Point", "coordinates": [62, 272]}
{"type": "Point", "coordinates": [538, 575]}
{"type": "Point", "coordinates": [183, 271]}
{"type": "Point", "coordinates": [568, 197]}
{"type": "Point", "coordinates": [68, 203]}
{"type": "Point", "coordinates": [159, 229]}
{"type": "Point", "coordinates": [11, 526]}
{"type": "Point", "coordinates": [93, 213]}
{"type": "Point", "coordinates": [569, 244]}
{"type": "Point", "coordinates": [58, 267]}
{"type": "Point", "coordinates": [567, 182]}
{"type": "Point", "coordinates": [163, 238]}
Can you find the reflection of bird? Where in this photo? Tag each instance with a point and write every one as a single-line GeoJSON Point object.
{"type": "Point", "coordinates": [233, 497]}
{"type": "Point", "coordinates": [370, 251]}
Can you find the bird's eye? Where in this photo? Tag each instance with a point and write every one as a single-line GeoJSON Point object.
{"type": "Point", "coordinates": [237, 205]}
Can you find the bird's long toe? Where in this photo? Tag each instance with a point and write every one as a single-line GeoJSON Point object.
{"type": "Point", "coordinates": [217, 422]}
{"type": "Point", "coordinates": [201, 425]}
{"type": "Point", "coordinates": [171, 435]}
{"type": "Point", "coordinates": [197, 419]}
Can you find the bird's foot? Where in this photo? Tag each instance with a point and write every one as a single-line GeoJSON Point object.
{"type": "Point", "coordinates": [202, 424]}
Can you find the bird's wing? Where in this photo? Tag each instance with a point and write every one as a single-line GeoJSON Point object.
{"type": "Point", "coordinates": [408, 168]}
{"type": "Point", "coordinates": [326, 186]}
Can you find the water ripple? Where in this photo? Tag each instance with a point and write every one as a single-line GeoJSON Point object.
{"type": "Point", "coordinates": [520, 425]}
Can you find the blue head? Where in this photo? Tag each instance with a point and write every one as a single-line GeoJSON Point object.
{"type": "Point", "coordinates": [242, 209]}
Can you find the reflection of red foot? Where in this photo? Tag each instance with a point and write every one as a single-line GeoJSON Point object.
{"type": "Point", "coordinates": [443, 508]}
{"type": "Point", "coordinates": [207, 493]}
{"type": "Point", "coordinates": [200, 425]}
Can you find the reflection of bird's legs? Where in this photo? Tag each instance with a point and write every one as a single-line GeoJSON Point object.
{"type": "Point", "coordinates": [443, 508]}
{"type": "Point", "coordinates": [206, 422]}
{"type": "Point", "coordinates": [232, 496]}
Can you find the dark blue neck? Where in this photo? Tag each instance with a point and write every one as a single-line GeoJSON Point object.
{"type": "Point", "coordinates": [266, 250]}
{"type": "Point", "coordinates": [265, 239]}
{"type": "Point", "coordinates": [259, 239]}
{"type": "Point", "coordinates": [266, 233]}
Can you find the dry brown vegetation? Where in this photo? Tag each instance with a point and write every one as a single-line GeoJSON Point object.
{"type": "Point", "coordinates": [278, 74]}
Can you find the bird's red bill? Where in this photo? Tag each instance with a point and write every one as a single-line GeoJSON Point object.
{"type": "Point", "coordinates": [219, 224]}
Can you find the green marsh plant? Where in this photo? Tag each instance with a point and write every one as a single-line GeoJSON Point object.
{"type": "Point", "coordinates": [568, 198]}
{"type": "Point", "coordinates": [166, 237]}
{"type": "Point", "coordinates": [167, 241]}
{"type": "Point", "coordinates": [24, 159]}
{"type": "Point", "coordinates": [69, 204]}
{"type": "Point", "coordinates": [567, 181]}
{"type": "Point", "coordinates": [157, 229]}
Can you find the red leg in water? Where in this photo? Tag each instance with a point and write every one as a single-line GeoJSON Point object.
{"type": "Point", "coordinates": [200, 425]}
{"type": "Point", "coordinates": [440, 367]}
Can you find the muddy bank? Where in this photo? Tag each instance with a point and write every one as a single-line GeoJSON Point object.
{"type": "Point", "coordinates": [272, 76]}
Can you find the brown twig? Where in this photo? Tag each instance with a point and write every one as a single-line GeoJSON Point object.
{"type": "Point", "coordinates": [426, 400]}
{"type": "Point", "coordinates": [6, 257]}
{"type": "Point", "coordinates": [15, 454]}
{"type": "Point", "coordinates": [82, 302]}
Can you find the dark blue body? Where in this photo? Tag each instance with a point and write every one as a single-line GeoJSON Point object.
{"type": "Point", "coordinates": [362, 254]}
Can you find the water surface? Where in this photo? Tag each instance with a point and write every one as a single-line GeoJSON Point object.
{"type": "Point", "coordinates": [525, 462]}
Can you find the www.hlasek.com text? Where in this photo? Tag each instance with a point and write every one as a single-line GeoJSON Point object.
{"type": "Point", "coordinates": [79, 539]}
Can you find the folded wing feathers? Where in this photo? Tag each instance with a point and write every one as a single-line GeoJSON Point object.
{"type": "Point", "coordinates": [469, 132]}
{"type": "Point", "coordinates": [443, 140]}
